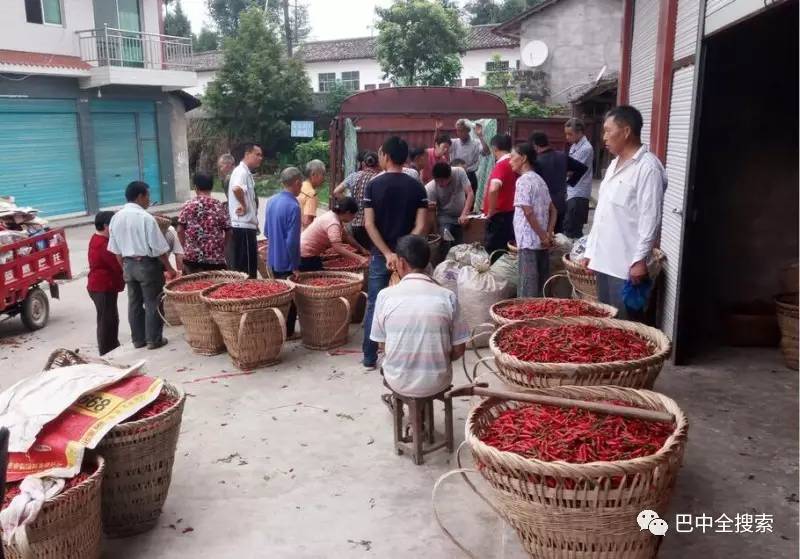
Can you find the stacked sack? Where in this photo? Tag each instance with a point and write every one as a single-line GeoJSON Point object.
{"type": "Point", "coordinates": [467, 272]}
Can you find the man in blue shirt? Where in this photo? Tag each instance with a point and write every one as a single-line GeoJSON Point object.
{"type": "Point", "coordinates": [282, 229]}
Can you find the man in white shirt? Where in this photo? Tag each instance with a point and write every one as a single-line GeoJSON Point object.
{"type": "Point", "coordinates": [419, 324]}
{"type": "Point", "coordinates": [628, 215]}
{"type": "Point", "coordinates": [578, 196]}
{"type": "Point", "coordinates": [469, 150]}
{"type": "Point", "coordinates": [141, 248]}
{"type": "Point", "coordinates": [243, 211]}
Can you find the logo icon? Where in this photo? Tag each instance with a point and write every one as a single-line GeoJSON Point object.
{"type": "Point", "coordinates": [649, 520]}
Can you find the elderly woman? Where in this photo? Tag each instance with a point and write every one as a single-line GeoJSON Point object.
{"type": "Point", "coordinates": [315, 177]}
{"type": "Point", "coordinates": [357, 183]}
{"type": "Point", "coordinates": [328, 231]}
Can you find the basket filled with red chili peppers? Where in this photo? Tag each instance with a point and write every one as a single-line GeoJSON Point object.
{"type": "Point", "coordinates": [514, 310]}
{"type": "Point", "coordinates": [571, 480]}
{"type": "Point", "coordinates": [325, 306]}
{"type": "Point", "coordinates": [68, 526]}
{"type": "Point", "coordinates": [578, 351]}
{"type": "Point", "coordinates": [251, 315]}
{"type": "Point", "coordinates": [139, 455]}
{"type": "Point", "coordinates": [200, 330]}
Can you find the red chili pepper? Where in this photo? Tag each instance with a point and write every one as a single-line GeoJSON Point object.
{"type": "Point", "coordinates": [574, 435]}
{"type": "Point", "coordinates": [341, 263]}
{"type": "Point", "coordinates": [324, 282]}
{"type": "Point", "coordinates": [573, 344]}
{"type": "Point", "coordinates": [522, 310]}
{"type": "Point", "coordinates": [248, 289]}
{"type": "Point", "coordinates": [12, 489]}
{"type": "Point", "coordinates": [197, 285]}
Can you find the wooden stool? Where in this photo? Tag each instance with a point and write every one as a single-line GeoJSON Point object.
{"type": "Point", "coordinates": [420, 411]}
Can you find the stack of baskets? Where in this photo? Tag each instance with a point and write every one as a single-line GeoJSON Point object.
{"type": "Point", "coordinates": [639, 373]}
{"type": "Point", "coordinates": [68, 526]}
{"type": "Point", "coordinates": [201, 332]}
{"type": "Point", "coordinates": [253, 329]}
{"type": "Point", "coordinates": [139, 456]}
{"type": "Point", "coordinates": [786, 306]}
{"type": "Point", "coordinates": [589, 510]}
{"type": "Point", "coordinates": [326, 312]}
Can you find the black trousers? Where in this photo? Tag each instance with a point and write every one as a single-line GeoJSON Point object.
{"type": "Point", "coordinates": [360, 234]}
{"type": "Point", "coordinates": [311, 264]}
{"type": "Point", "coordinates": [105, 302]}
{"type": "Point", "coordinates": [473, 180]}
{"type": "Point", "coordinates": [292, 318]}
{"type": "Point", "coordinates": [197, 267]}
{"type": "Point", "coordinates": [145, 280]}
{"type": "Point", "coordinates": [245, 255]}
{"type": "Point", "coordinates": [576, 218]}
{"type": "Point", "coordinates": [499, 232]}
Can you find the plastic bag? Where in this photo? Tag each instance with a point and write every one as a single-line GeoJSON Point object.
{"type": "Point", "coordinates": [478, 290]}
{"type": "Point", "coordinates": [507, 268]}
{"type": "Point", "coordinates": [468, 255]}
{"type": "Point", "coordinates": [578, 249]}
{"type": "Point", "coordinates": [562, 245]}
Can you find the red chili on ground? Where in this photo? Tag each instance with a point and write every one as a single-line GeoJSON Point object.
{"type": "Point", "coordinates": [572, 344]}
{"type": "Point", "coordinates": [324, 282]}
{"type": "Point", "coordinates": [522, 310]}
{"type": "Point", "coordinates": [197, 285]}
{"type": "Point", "coordinates": [577, 436]}
{"type": "Point", "coordinates": [248, 289]}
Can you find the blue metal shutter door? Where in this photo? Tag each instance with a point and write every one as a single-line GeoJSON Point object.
{"type": "Point", "coordinates": [116, 156]}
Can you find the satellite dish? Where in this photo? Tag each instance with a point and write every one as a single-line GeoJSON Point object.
{"type": "Point", "coordinates": [534, 54]}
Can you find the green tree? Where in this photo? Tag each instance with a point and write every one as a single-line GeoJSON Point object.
{"type": "Point", "coordinates": [206, 40]}
{"type": "Point", "coordinates": [291, 16]}
{"type": "Point", "coordinates": [176, 23]}
{"type": "Point", "coordinates": [496, 11]}
{"type": "Point", "coordinates": [419, 42]}
{"type": "Point", "coordinates": [335, 96]}
{"type": "Point", "coordinates": [225, 14]}
{"type": "Point", "coordinates": [258, 90]}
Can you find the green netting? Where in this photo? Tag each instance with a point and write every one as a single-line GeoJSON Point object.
{"type": "Point", "coordinates": [350, 157]}
{"type": "Point", "coordinates": [486, 163]}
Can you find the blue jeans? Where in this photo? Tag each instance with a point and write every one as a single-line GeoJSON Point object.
{"type": "Point", "coordinates": [379, 276]}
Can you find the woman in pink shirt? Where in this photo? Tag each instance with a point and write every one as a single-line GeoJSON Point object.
{"type": "Point", "coordinates": [328, 231]}
{"type": "Point", "coordinates": [440, 152]}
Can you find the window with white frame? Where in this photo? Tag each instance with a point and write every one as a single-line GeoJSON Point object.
{"type": "Point", "coordinates": [43, 11]}
{"type": "Point", "coordinates": [497, 66]}
{"type": "Point", "coordinates": [351, 81]}
{"type": "Point", "coordinates": [326, 81]}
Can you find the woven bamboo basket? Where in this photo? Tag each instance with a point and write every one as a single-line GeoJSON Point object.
{"type": "Point", "coordinates": [254, 329]}
{"type": "Point", "coordinates": [326, 312]}
{"type": "Point", "coordinates": [171, 315]}
{"type": "Point", "coordinates": [610, 312]}
{"type": "Point", "coordinates": [586, 511]}
{"type": "Point", "coordinates": [200, 330]}
{"type": "Point", "coordinates": [786, 306]}
{"type": "Point", "coordinates": [139, 457]}
{"type": "Point", "coordinates": [262, 252]}
{"type": "Point", "coordinates": [68, 526]}
{"type": "Point", "coordinates": [640, 373]}
{"type": "Point", "coordinates": [584, 281]}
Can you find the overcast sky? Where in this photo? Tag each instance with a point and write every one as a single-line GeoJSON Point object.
{"type": "Point", "coordinates": [330, 19]}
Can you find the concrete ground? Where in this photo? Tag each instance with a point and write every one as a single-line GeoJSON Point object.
{"type": "Point", "coordinates": [296, 460]}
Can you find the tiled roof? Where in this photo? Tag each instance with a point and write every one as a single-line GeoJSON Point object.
{"type": "Point", "coordinates": [37, 59]}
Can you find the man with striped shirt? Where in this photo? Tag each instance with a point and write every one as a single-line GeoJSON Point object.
{"type": "Point", "coordinates": [419, 325]}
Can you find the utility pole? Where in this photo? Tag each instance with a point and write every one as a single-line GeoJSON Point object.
{"type": "Point", "coordinates": [287, 26]}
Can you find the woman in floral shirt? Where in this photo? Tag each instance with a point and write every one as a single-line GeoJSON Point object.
{"type": "Point", "coordinates": [203, 229]}
{"type": "Point", "coordinates": [356, 183]}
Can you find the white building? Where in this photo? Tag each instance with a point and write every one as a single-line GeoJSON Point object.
{"type": "Point", "coordinates": [353, 61]}
{"type": "Point", "coordinates": [96, 86]}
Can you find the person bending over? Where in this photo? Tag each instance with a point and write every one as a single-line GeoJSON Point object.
{"type": "Point", "coordinates": [328, 231]}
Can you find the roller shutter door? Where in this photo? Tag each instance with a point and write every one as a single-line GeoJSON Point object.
{"type": "Point", "coordinates": [643, 61]}
{"type": "Point", "coordinates": [40, 156]}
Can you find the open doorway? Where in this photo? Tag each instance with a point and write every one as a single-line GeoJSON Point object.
{"type": "Point", "coordinates": [742, 218]}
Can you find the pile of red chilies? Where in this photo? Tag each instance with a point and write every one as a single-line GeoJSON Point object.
{"type": "Point", "coordinates": [548, 307]}
{"type": "Point", "coordinates": [197, 285]}
{"type": "Point", "coordinates": [248, 289]}
{"type": "Point", "coordinates": [160, 405]}
{"type": "Point", "coordinates": [572, 344]}
{"type": "Point", "coordinates": [341, 263]}
{"type": "Point", "coordinates": [573, 435]}
{"type": "Point", "coordinates": [324, 282]}
{"type": "Point", "coordinates": [12, 489]}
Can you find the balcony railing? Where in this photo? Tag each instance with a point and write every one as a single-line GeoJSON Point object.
{"type": "Point", "coordinates": [135, 49]}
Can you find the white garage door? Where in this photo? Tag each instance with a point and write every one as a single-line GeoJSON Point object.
{"type": "Point", "coordinates": [643, 61]}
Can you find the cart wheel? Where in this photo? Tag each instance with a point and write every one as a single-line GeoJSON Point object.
{"type": "Point", "coordinates": [35, 309]}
